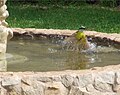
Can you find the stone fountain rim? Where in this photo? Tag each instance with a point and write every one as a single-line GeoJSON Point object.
{"type": "Point", "coordinates": [113, 37]}
{"type": "Point", "coordinates": [33, 31]}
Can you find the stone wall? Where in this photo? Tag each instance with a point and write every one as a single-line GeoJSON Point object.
{"type": "Point", "coordinates": [96, 81]}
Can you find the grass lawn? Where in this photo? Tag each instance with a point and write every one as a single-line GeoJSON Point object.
{"type": "Point", "coordinates": [64, 17]}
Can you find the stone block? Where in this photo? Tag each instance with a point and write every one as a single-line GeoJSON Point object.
{"type": "Point", "coordinates": [67, 80]}
{"type": "Point", "coordinates": [101, 84]}
{"type": "Point", "coordinates": [36, 88]}
{"type": "Point", "coordinates": [90, 88]}
{"type": "Point", "coordinates": [118, 77]}
{"type": "Point", "coordinates": [84, 80]}
{"type": "Point", "coordinates": [55, 88]}
{"type": "Point", "coordinates": [11, 80]}
{"type": "Point", "coordinates": [107, 77]}
{"type": "Point", "coordinates": [78, 91]}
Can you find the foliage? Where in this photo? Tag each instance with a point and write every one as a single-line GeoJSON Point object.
{"type": "Point", "coordinates": [64, 17]}
{"type": "Point", "coordinates": [108, 3]}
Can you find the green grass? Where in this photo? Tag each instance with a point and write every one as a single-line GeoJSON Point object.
{"type": "Point", "coordinates": [64, 17]}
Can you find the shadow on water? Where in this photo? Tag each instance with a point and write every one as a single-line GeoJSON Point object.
{"type": "Point", "coordinates": [48, 55]}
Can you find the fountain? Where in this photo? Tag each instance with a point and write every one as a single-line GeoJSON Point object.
{"type": "Point", "coordinates": [5, 33]}
{"type": "Point", "coordinates": [69, 80]}
{"type": "Point", "coordinates": [66, 81]}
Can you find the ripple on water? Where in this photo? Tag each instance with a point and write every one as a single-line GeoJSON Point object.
{"type": "Point", "coordinates": [14, 58]}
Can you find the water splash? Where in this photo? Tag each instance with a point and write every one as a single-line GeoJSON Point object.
{"type": "Point", "coordinates": [92, 48]}
{"type": "Point", "coordinates": [73, 46]}
{"type": "Point", "coordinates": [51, 50]}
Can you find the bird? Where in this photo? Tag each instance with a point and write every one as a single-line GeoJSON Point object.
{"type": "Point", "coordinates": [77, 41]}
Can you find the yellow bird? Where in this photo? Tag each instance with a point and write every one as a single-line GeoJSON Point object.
{"type": "Point", "coordinates": [77, 41]}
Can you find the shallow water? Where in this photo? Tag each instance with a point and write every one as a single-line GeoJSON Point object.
{"type": "Point", "coordinates": [46, 55]}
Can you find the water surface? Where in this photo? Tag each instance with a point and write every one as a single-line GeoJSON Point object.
{"type": "Point", "coordinates": [46, 55]}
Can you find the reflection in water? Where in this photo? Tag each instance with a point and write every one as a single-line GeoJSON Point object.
{"type": "Point", "coordinates": [3, 65]}
{"type": "Point", "coordinates": [11, 59]}
{"type": "Point", "coordinates": [79, 58]}
{"type": "Point", "coordinates": [83, 60]}
{"type": "Point", "coordinates": [3, 62]}
{"type": "Point", "coordinates": [74, 61]}
{"type": "Point", "coordinates": [77, 61]}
